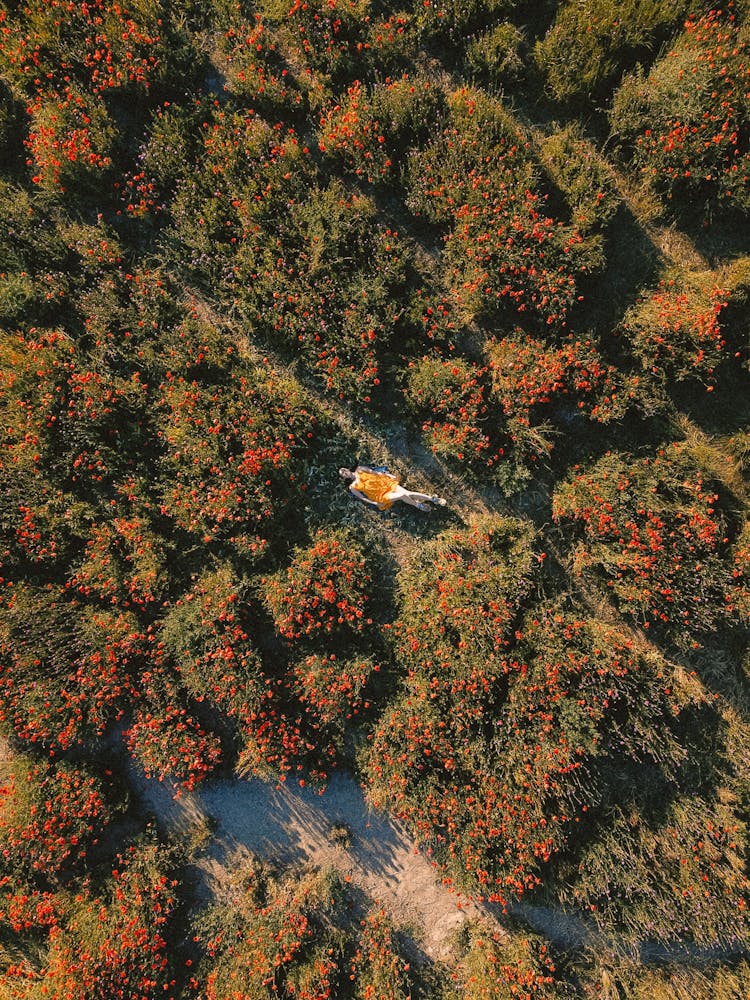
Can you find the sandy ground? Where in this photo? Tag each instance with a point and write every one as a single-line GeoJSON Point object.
{"type": "Point", "coordinates": [290, 824]}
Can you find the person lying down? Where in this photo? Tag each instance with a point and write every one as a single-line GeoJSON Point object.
{"type": "Point", "coordinates": [380, 488]}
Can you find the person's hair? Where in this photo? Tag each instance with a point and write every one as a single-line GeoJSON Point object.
{"type": "Point", "coordinates": [347, 474]}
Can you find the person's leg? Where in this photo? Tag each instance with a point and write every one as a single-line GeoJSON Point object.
{"type": "Point", "coordinates": [419, 500]}
{"type": "Point", "coordinates": [415, 499]}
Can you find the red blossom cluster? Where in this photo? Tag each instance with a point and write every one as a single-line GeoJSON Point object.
{"type": "Point", "coordinates": [110, 944]}
{"type": "Point", "coordinates": [331, 688]}
{"type": "Point", "coordinates": [502, 246]}
{"type": "Point", "coordinates": [66, 671]}
{"type": "Point", "coordinates": [173, 743]}
{"type": "Point", "coordinates": [256, 67]}
{"type": "Point", "coordinates": [452, 394]}
{"type": "Point", "coordinates": [324, 590]}
{"type": "Point", "coordinates": [351, 130]}
{"type": "Point", "coordinates": [527, 373]}
{"type": "Point", "coordinates": [696, 118]}
{"type": "Point", "coordinates": [229, 446]}
{"type": "Point", "coordinates": [651, 528]}
{"type": "Point", "coordinates": [66, 57]}
{"type": "Point", "coordinates": [285, 938]}
{"type": "Point", "coordinates": [676, 331]}
{"type": "Point", "coordinates": [498, 966]}
{"type": "Point", "coordinates": [49, 815]}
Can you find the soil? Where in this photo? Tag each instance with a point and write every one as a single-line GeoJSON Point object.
{"type": "Point", "coordinates": [291, 824]}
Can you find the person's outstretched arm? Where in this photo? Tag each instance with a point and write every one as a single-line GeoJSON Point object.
{"type": "Point", "coordinates": [360, 496]}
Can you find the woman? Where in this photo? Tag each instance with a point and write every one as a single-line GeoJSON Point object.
{"type": "Point", "coordinates": [380, 488]}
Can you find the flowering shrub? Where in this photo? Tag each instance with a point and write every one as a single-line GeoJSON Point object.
{"type": "Point", "coordinates": [65, 59]}
{"type": "Point", "coordinates": [409, 105]}
{"type": "Point", "coordinates": [204, 632]}
{"type": "Point", "coordinates": [583, 176]}
{"type": "Point", "coordinates": [255, 69]}
{"type": "Point", "coordinates": [124, 562]}
{"type": "Point", "coordinates": [327, 37]}
{"type": "Point", "coordinates": [66, 671]}
{"type": "Point", "coordinates": [675, 331]}
{"type": "Point", "coordinates": [167, 739]}
{"type": "Point", "coordinates": [330, 293]}
{"type": "Point", "coordinates": [100, 43]}
{"type": "Point", "coordinates": [501, 247]}
{"type": "Point", "coordinates": [293, 937]}
{"type": "Point", "coordinates": [113, 945]}
{"type": "Point", "coordinates": [231, 453]}
{"type": "Point", "coordinates": [651, 530]}
{"type": "Point", "coordinates": [684, 125]}
{"type": "Point", "coordinates": [497, 966]}
{"type": "Point", "coordinates": [462, 592]}
{"type": "Point", "coordinates": [739, 596]}
{"type": "Point", "coordinates": [49, 815]}
{"type": "Point", "coordinates": [450, 396]}
{"type": "Point", "coordinates": [225, 213]}
{"type": "Point", "coordinates": [350, 131]}
{"type": "Point", "coordinates": [527, 376]}
{"type": "Point", "coordinates": [69, 141]}
{"type": "Point", "coordinates": [376, 966]}
{"type": "Point", "coordinates": [331, 688]}
{"type": "Point", "coordinates": [324, 590]}
{"type": "Point", "coordinates": [492, 763]}
{"type": "Point", "coordinates": [278, 938]}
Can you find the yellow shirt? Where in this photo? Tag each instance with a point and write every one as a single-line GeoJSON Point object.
{"type": "Point", "coordinates": [376, 486]}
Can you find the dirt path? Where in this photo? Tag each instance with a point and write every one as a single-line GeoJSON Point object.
{"type": "Point", "coordinates": [290, 824]}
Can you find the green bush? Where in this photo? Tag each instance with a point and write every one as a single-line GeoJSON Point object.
{"type": "Point", "coordinates": [449, 396]}
{"type": "Point", "coordinates": [324, 591]}
{"type": "Point", "coordinates": [327, 289]}
{"type": "Point", "coordinates": [679, 878]}
{"type": "Point", "coordinates": [687, 142]}
{"type": "Point", "coordinates": [497, 57]}
{"type": "Point", "coordinates": [676, 332]}
{"type": "Point", "coordinates": [652, 531]}
{"type": "Point", "coordinates": [503, 253]}
{"type": "Point", "coordinates": [583, 176]}
{"type": "Point", "coordinates": [590, 45]}
{"type": "Point", "coordinates": [504, 965]}
{"type": "Point", "coordinates": [50, 815]}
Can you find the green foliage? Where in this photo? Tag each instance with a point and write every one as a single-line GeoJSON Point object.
{"type": "Point", "coordinates": [66, 671]}
{"type": "Point", "coordinates": [533, 382]}
{"type": "Point", "coordinates": [676, 331]}
{"type": "Point", "coordinates": [497, 56]}
{"type": "Point", "coordinates": [449, 396]}
{"type": "Point", "coordinates": [290, 937]}
{"type": "Point", "coordinates": [587, 48]}
{"type": "Point", "coordinates": [498, 966]}
{"type": "Point", "coordinates": [687, 142]}
{"type": "Point", "coordinates": [327, 288]}
{"type": "Point", "coordinates": [204, 635]}
{"type": "Point", "coordinates": [681, 876]}
{"type": "Point", "coordinates": [460, 595]}
{"type": "Point", "coordinates": [105, 944]}
{"type": "Point", "coordinates": [652, 531]}
{"type": "Point", "coordinates": [49, 815]}
{"type": "Point", "coordinates": [503, 253]}
{"type": "Point", "coordinates": [240, 245]}
{"type": "Point", "coordinates": [539, 714]}
{"type": "Point", "coordinates": [583, 176]}
{"type": "Point", "coordinates": [324, 590]}
{"type": "Point", "coordinates": [232, 450]}
{"type": "Point", "coordinates": [676, 981]}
